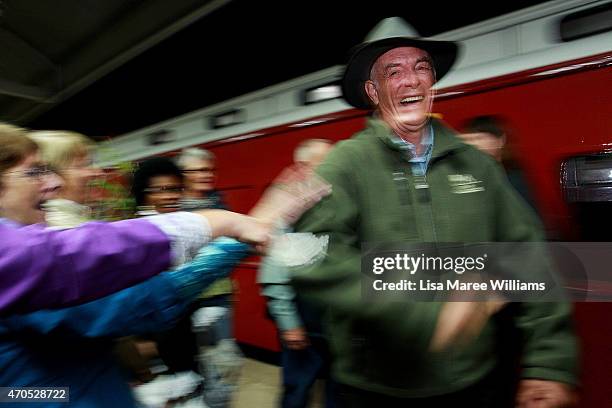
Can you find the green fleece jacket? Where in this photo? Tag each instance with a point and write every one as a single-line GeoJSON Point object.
{"type": "Point", "coordinates": [382, 346]}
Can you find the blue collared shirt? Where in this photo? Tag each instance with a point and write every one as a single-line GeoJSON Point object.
{"type": "Point", "coordinates": [419, 162]}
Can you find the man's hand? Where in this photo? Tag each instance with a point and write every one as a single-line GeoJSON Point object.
{"type": "Point", "coordinates": [461, 322]}
{"type": "Point", "coordinates": [295, 339]}
{"type": "Point", "coordinates": [286, 202]}
{"type": "Point", "coordinates": [239, 226]}
{"type": "Point", "coordinates": [545, 394]}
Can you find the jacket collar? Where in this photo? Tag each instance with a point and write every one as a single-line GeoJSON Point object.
{"type": "Point", "coordinates": [445, 140]}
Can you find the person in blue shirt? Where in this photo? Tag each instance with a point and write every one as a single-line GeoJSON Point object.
{"type": "Point", "coordinates": [72, 347]}
{"type": "Point", "coordinates": [304, 348]}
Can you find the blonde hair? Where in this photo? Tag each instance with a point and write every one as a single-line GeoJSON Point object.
{"type": "Point", "coordinates": [59, 148]}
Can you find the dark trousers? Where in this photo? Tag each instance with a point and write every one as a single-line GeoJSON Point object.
{"type": "Point", "coordinates": [178, 347]}
{"type": "Point", "coordinates": [301, 368]}
{"type": "Point", "coordinates": [487, 393]}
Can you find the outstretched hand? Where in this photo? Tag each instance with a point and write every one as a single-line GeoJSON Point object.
{"type": "Point", "coordinates": [292, 195]}
{"type": "Point", "coordinates": [255, 232]}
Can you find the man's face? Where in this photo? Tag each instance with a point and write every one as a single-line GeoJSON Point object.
{"type": "Point", "coordinates": [486, 142]}
{"type": "Point", "coordinates": [25, 188]}
{"type": "Point", "coordinates": [400, 86]}
{"type": "Point", "coordinates": [199, 175]}
{"type": "Point", "coordinates": [164, 193]}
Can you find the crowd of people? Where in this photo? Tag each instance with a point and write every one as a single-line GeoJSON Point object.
{"type": "Point", "coordinates": [100, 307]}
{"type": "Point", "coordinates": [45, 177]}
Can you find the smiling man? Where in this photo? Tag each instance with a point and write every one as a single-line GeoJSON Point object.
{"type": "Point", "coordinates": [400, 87]}
{"type": "Point", "coordinates": [397, 182]}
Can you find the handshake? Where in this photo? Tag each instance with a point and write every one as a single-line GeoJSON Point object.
{"type": "Point", "coordinates": [281, 204]}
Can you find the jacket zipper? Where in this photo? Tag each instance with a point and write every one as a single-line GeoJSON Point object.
{"type": "Point", "coordinates": [424, 196]}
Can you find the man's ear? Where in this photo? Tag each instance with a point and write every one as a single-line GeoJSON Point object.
{"type": "Point", "coordinates": [503, 140]}
{"type": "Point", "coordinates": [372, 92]}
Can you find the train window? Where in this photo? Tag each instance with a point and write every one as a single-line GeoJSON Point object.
{"type": "Point", "coordinates": [586, 22]}
{"type": "Point", "coordinates": [228, 118]}
{"type": "Point", "coordinates": [160, 137]}
{"type": "Point", "coordinates": [587, 184]}
{"type": "Point", "coordinates": [588, 178]}
{"type": "Point", "coordinates": [321, 93]}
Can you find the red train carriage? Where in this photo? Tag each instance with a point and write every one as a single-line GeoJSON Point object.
{"type": "Point", "coordinates": [546, 69]}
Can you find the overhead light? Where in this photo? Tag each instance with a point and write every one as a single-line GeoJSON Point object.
{"type": "Point", "coordinates": [585, 23]}
{"type": "Point", "coordinates": [228, 118]}
{"type": "Point", "coordinates": [322, 93]}
{"type": "Point", "coordinates": [160, 137]}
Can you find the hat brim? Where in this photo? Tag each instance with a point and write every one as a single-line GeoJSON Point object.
{"type": "Point", "coordinates": [443, 53]}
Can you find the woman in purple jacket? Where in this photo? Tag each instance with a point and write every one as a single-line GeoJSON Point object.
{"type": "Point", "coordinates": [72, 347]}
{"type": "Point", "coordinates": [44, 269]}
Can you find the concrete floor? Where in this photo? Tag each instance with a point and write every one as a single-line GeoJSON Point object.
{"type": "Point", "coordinates": [260, 387]}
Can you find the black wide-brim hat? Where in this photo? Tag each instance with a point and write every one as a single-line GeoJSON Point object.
{"type": "Point", "coordinates": [443, 54]}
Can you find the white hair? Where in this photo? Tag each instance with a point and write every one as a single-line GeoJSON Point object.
{"type": "Point", "coordinates": [192, 153]}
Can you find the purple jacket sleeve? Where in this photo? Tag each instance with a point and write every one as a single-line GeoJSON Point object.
{"type": "Point", "coordinates": [41, 268]}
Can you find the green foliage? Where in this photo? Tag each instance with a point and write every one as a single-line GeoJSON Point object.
{"type": "Point", "coordinates": [113, 200]}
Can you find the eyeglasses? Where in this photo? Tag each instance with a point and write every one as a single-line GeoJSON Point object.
{"type": "Point", "coordinates": [164, 189]}
{"type": "Point", "coordinates": [200, 169]}
{"type": "Point", "coordinates": [37, 171]}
